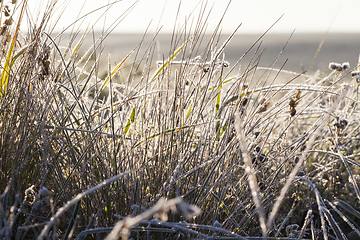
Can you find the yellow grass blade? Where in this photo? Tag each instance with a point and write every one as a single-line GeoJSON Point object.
{"type": "Point", "coordinates": [171, 58]}
{"type": "Point", "coordinates": [81, 40]}
{"type": "Point", "coordinates": [115, 70]}
{"type": "Point", "coordinates": [8, 63]}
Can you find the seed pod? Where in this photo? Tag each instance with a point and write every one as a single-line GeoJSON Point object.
{"type": "Point", "coordinates": [264, 107]}
{"type": "Point", "coordinates": [292, 112]}
{"type": "Point", "coordinates": [354, 73]}
{"type": "Point", "coordinates": [3, 30]}
{"type": "Point", "coordinates": [244, 101]}
{"type": "Point", "coordinates": [332, 66]}
{"type": "Point", "coordinates": [343, 123]}
{"type": "Point", "coordinates": [226, 64]}
{"type": "Point", "coordinates": [339, 67]}
{"type": "Point", "coordinates": [345, 65]}
{"type": "Point", "coordinates": [292, 103]}
{"type": "Point", "coordinates": [8, 22]}
{"type": "Point", "coordinates": [6, 11]}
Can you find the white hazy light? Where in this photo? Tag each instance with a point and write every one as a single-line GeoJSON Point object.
{"type": "Point", "coordinates": [256, 16]}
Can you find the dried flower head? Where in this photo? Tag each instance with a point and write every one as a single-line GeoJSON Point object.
{"type": "Point", "coordinates": [339, 67]}
{"type": "Point", "coordinates": [345, 65]}
{"type": "Point", "coordinates": [332, 66]}
{"type": "Point", "coordinates": [341, 125]}
{"type": "Point", "coordinates": [30, 195]}
{"type": "Point", "coordinates": [226, 64]}
{"type": "Point", "coordinates": [8, 22]}
{"type": "Point", "coordinates": [292, 103]}
{"type": "Point", "coordinates": [6, 11]}
{"type": "Point", "coordinates": [356, 75]}
{"type": "Point", "coordinates": [3, 30]}
{"type": "Point", "coordinates": [292, 112]}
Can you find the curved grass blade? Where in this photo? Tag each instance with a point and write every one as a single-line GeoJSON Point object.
{"type": "Point", "coordinates": [76, 199]}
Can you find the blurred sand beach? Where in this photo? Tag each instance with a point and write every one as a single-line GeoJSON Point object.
{"type": "Point", "coordinates": [298, 53]}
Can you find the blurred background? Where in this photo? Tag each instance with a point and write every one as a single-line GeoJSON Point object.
{"type": "Point", "coordinates": [335, 22]}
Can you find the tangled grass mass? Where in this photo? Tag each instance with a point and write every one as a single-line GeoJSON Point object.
{"type": "Point", "coordinates": [183, 147]}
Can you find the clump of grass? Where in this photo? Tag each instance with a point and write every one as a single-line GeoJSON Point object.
{"type": "Point", "coordinates": [258, 159]}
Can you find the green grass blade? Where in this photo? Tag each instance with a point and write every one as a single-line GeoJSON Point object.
{"type": "Point", "coordinates": [131, 120]}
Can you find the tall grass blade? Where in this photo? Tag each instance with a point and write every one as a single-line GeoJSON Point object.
{"type": "Point", "coordinates": [76, 199]}
{"type": "Point", "coordinates": [8, 61]}
{"type": "Point", "coordinates": [170, 59]}
{"type": "Point", "coordinates": [72, 221]}
{"type": "Point", "coordinates": [115, 70]}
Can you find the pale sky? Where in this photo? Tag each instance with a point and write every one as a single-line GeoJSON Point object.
{"type": "Point", "coordinates": [255, 15]}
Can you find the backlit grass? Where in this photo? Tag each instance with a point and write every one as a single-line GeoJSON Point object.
{"type": "Point", "coordinates": [183, 147]}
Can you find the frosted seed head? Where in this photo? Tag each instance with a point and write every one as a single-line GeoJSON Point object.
{"type": "Point", "coordinates": [355, 73]}
{"type": "Point", "coordinates": [339, 67]}
{"type": "Point", "coordinates": [345, 65]}
{"type": "Point", "coordinates": [332, 66]}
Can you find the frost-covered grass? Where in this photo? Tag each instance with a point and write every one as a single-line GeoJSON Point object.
{"type": "Point", "coordinates": [181, 147]}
